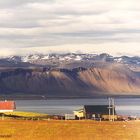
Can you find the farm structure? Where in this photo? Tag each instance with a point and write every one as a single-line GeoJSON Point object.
{"type": "Point", "coordinates": [69, 117]}
{"type": "Point", "coordinates": [7, 106]}
{"type": "Point", "coordinates": [96, 112]}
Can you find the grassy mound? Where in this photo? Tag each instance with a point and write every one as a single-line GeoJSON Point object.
{"type": "Point", "coordinates": [25, 114]}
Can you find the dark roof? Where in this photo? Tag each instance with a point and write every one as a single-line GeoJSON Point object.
{"type": "Point", "coordinates": [7, 105]}
{"type": "Point", "coordinates": [97, 109]}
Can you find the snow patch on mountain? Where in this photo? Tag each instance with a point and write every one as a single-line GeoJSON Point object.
{"type": "Point", "coordinates": [69, 58]}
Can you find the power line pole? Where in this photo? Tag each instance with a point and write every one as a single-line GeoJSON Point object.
{"type": "Point", "coordinates": [111, 109]}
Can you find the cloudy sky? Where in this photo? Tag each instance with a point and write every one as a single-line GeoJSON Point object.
{"type": "Point", "coordinates": [91, 26]}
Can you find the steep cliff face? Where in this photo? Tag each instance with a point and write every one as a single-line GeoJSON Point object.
{"type": "Point", "coordinates": [113, 79]}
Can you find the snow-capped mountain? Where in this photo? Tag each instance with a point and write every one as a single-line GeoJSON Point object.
{"type": "Point", "coordinates": [61, 57]}
{"type": "Point", "coordinates": [70, 60]}
{"type": "Point", "coordinates": [70, 75]}
{"type": "Point", "coordinates": [128, 60]}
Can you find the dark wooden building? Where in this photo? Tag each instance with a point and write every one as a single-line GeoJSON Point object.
{"type": "Point", "coordinates": [96, 111]}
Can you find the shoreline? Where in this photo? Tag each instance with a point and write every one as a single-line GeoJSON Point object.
{"type": "Point", "coordinates": [43, 97]}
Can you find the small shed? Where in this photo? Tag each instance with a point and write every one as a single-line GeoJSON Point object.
{"type": "Point", "coordinates": [7, 106]}
{"type": "Point", "coordinates": [69, 117]}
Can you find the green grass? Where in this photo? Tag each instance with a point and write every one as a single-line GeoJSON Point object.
{"type": "Point", "coordinates": [25, 114]}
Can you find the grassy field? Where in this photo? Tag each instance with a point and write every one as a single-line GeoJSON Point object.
{"type": "Point", "coordinates": [68, 130]}
{"type": "Point", "coordinates": [25, 114]}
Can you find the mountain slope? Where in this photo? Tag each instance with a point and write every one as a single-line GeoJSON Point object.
{"type": "Point", "coordinates": [112, 79]}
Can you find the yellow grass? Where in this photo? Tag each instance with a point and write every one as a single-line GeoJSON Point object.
{"type": "Point", "coordinates": [25, 114]}
{"type": "Point", "coordinates": [68, 130]}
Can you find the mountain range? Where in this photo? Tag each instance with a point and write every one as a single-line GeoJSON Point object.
{"type": "Point", "coordinates": [70, 75]}
{"type": "Point", "coordinates": [68, 60]}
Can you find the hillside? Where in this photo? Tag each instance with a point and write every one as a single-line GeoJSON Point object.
{"type": "Point", "coordinates": [107, 79]}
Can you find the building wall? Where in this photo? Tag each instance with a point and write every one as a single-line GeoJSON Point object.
{"type": "Point", "coordinates": [69, 117]}
{"type": "Point", "coordinates": [79, 114]}
{"type": "Point", "coordinates": [2, 111]}
{"type": "Point", "coordinates": [106, 117]}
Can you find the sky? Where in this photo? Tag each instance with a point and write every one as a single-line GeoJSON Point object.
{"type": "Point", "coordinates": [83, 26]}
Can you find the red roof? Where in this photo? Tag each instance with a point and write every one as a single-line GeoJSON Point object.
{"type": "Point", "coordinates": [7, 105]}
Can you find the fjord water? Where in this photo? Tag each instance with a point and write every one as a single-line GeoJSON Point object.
{"type": "Point", "coordinates": [124, 106]}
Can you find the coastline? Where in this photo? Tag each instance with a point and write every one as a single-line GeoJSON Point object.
{"type": "Point", "coordinates": [43, 97]}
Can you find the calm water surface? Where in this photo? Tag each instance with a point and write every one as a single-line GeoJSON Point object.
{"type": "Point", "coordinates": [124, 106]}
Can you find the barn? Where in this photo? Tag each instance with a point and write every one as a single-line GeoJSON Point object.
{"type": "Point", "coordinates": [95, 111]}
{"type": "Point", "coordinates": [7, 106]}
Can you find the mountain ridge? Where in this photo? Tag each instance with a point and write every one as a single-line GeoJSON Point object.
{"type": "Point", "coordinates": [68, 60]}
{"type": "Point", "coordinates": [70, 75]}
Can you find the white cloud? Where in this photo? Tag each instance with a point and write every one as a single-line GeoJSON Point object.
{"type": "Point", "coordinates": [76, 25]}
{"type": "Point", "coordinates": [86, 48]}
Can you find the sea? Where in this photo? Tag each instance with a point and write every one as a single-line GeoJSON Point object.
{"type": "Point", "coordinates": [124, 106]}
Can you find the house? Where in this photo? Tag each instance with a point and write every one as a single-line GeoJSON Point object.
{"type": "Point", "coordinates": [7, 106]}
{"type": "Point", "coordinates": [95, 111]}
{"type": "Point", "coordinates": [79, 113]}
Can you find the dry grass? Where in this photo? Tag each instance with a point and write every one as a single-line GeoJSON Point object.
{"type": "Point", "coordinates": [69, 130]}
